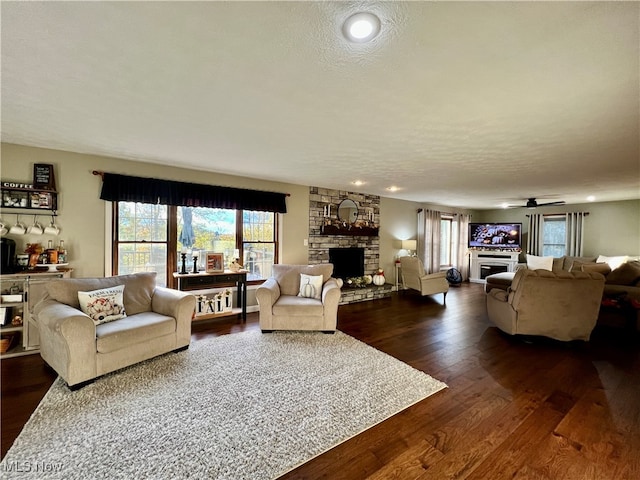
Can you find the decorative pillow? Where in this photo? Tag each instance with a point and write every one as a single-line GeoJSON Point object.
{"type": "Point", "coordinates": [310, 286]}
{"type": "Point", "coordinates": [626, 274]}
{"type": "Point", "coordinates": [104, 305]}
{"type": "Point", "coordinates": [539, 263]}
{"type": "Point", "coordinates": [602, 268]}
{"type": "Point", "coordinates": [614, 262]}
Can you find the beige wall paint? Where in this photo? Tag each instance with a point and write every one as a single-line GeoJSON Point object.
{"type": "Point", "coordinates": [612, 228]}
{"type": "Point", "coordinates": [82, 213]}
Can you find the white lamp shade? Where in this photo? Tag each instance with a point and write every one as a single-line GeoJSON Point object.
{"type": "Point", "coordinates": [409, 245]}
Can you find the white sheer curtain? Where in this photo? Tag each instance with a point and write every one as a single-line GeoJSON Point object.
{"type": "Point", "coordinates": [459, 248]}
{"type": "Point", "coordinates": [534, 240]}
{"type": "Point", "coordinates": [575, 233]}
{"type": "Point", "coordinates": [429, 239]}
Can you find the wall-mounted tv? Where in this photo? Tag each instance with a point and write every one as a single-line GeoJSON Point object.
{"type": "Point", "coordinates": [498, 236]}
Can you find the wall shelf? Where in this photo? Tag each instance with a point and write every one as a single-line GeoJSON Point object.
{"type": "Point", "coordinates": [31, 199]}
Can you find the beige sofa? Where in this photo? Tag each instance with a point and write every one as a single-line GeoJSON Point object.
{"type": "Point", "coordinates": [158, 320]}
{"type": "Point", "coordinates": [282, 308]}
{"type": "Point", "coordinates": [621, 295]}
{"type": "Point", "coordinates": [562, 305]}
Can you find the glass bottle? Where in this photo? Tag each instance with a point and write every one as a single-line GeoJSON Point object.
{"type": "Point", "coordinates": [62, 252]}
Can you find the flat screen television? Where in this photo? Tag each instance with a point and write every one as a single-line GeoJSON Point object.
{"type": "Point", "coordinates": [495, 236]}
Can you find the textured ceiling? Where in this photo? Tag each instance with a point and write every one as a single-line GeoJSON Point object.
{"type": "Point", "coordinates": [455, 103]}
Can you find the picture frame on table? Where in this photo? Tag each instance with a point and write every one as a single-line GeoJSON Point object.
{"type": "Point", "coordinates": [214, 262]}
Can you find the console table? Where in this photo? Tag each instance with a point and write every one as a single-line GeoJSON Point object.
{"type": "Point", "coordinates": [202, 282]}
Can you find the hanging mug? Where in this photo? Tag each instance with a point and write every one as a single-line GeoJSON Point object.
{"type": "Point", "coordinates": [36, 228]}
{"type": "Point", "coordinates": [52, 228]}
{"type": "Point", "coordinates": [18, 229]}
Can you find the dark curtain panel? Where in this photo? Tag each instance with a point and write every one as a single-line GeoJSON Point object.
{"type": "Point", "coordinates": [116, 187]}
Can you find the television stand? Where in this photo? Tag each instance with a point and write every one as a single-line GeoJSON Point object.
{"type": "Point", "coordinates": [487, 262]}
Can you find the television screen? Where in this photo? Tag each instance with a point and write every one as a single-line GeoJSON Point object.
{"type": "Point", "coordinates": [499, 236]}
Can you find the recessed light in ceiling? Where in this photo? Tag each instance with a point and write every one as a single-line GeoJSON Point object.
{"type": "Point", "coordinates": [361, 27]}
{"type": "Point", "coordinates": [591, 198]}
{"type": "Point", "coordinates": [393, 188]}
{"type": "Point", "coordinates": [357, 183]}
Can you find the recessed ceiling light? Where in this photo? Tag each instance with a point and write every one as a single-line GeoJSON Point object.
{"type": "Point", "coordinates": [505, 205]}
{"type": "Point", "coordinates": [357, 183]}
{"type": "Point", "coordinates": [361, 27]}
{"type": "Point", "coordinates": [393, 188]}
{"type": "Point", "coordinates": [591, 198]}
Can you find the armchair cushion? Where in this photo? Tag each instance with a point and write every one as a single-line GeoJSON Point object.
{"type": "Point", "coordinates": [137, 298]}
{"type": "Point", "coordinates": [311, 286]}
{"type": "Point", "coordinates": [289, 278]}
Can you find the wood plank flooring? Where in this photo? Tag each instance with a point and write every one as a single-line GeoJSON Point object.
{"type": "Point", "coordinates": [515, 408]}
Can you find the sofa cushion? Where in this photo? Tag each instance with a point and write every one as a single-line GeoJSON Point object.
{"type": "Point", "coordinates": [288, 276]}
{"type": "Point", "coordinates": [573, 263]}
{"type": "Point", "coordinates": [626, 274]}
{"type": "Point", "coordinates": [133, 330]}
{"type": "Point", "coordinates": [104, 305]}
{"type": "Point", "coordinates": [602, 268]}
{"type": "Point", "coordinates": [137, 295]}
{"type": "Point", "coordinates": [289, 305]}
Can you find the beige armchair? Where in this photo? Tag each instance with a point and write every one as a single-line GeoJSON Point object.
{"type": "Point", "coordinates": [562, 305]}
{"type": "Point", "coordinates": [414, 277]}
{"type": "Point", "coordinates": [282, 306]}
{"type": "Point", "coordinates": [157, 321]}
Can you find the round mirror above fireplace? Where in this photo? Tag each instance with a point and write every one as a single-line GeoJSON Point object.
{"type": "Point", "coordinates": [348, 211]}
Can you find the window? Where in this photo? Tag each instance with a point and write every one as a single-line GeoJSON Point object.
{"type": "Point", "coordinates": [151, 238]}
{"type": "Point", "coordinates": [141, 243]}
{"type": "Point", "coordinates": [448, 241]}
{"type": "Point", "coordinates": [554, 236]}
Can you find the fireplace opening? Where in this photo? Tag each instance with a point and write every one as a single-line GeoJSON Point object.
{"type": "Point", "coordinates": [347, 262]}
{"type": "Point", "coordinates": [486, 270]}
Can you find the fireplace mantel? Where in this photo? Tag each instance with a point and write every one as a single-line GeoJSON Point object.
{"type": "Point", "coordinates": [350, 230]}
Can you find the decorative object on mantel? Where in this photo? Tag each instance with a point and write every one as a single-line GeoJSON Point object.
{"type": "Point", "coordinates": [378, 278]}
{"type": "Point", "coordinates": [347, 221]}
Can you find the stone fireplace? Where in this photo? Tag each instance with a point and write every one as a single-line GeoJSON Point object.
{"type": "Point", "coordinates": [320, 244]}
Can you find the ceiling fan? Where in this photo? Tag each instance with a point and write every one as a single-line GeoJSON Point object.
{"type": "Point", "coordinates": [532, 203]}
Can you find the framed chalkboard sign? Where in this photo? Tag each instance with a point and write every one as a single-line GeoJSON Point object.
{"type": "Point", "coordinates": [43, 176]}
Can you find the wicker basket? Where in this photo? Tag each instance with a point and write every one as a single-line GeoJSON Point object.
{"type": "Point", "coordinates": [7, 342]}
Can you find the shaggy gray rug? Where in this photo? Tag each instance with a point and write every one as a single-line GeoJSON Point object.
{"type": "Point", "coordinates": [241, 406]}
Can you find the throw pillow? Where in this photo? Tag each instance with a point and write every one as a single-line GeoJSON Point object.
{"type": "Point", "coordinates": [626, 274]}
{"type": "Point", "coordinates": [104, 305]}
{"type": "Point", "coordinates": [614, 262]}
{"type": "Point", "coordinates": [310, 286]}
{"type": "Point", "coordinates": [539, 263]}
{"type": "Point", "coordinates": [602, 268]}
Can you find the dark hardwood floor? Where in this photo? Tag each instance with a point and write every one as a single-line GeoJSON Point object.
{"type": "Point", "coordinates": [515, 408]}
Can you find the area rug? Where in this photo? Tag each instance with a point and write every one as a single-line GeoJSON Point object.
{"type": "Point", "coordinates": [241, 406]}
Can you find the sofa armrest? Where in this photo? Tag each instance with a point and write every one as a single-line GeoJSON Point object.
{"type": "Point", "coordinates": [330, 301]}
{"type": "Point", "coordinates": [67, 340]}
{"type": "Point", "coordinates": [268, 293]}
{"type": "Point", "coordinates": [179, 305]}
